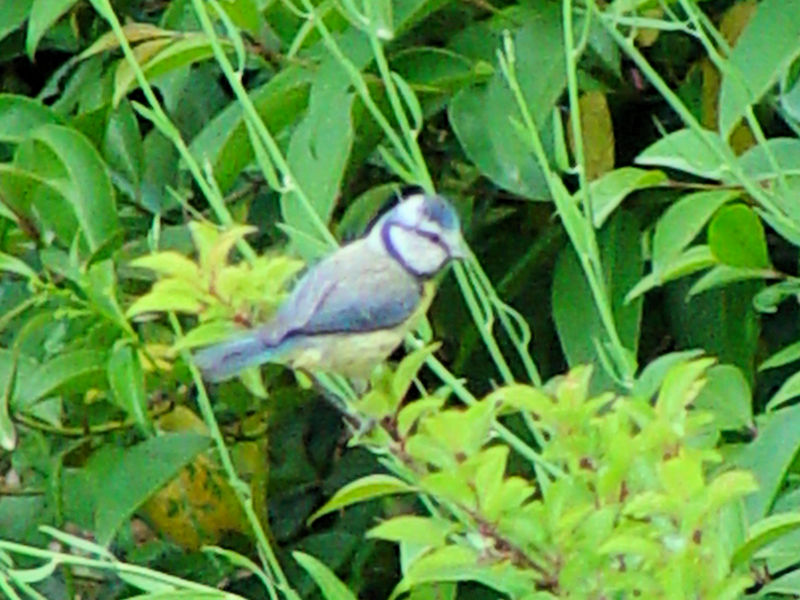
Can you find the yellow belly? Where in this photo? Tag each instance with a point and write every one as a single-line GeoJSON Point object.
{"type": "Point", "coordinates": [351, 355]}
{"type": "Point", "coordinates": [354, 354]}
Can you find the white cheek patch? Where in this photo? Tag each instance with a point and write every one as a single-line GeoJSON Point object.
{"type": "Point", "coordinates": [417, 252]}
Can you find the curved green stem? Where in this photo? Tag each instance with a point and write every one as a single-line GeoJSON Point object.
{"type": "Point", "coordinates": [257, 124]}
{"type": "Point", "coordinates": [240, 488]}
{"type": "Point", "coordinates": [163, 123]}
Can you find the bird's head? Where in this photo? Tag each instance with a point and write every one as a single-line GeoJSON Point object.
{"type": "Point", "coordinates": [422, 232]}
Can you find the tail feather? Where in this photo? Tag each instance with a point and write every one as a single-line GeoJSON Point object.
{"type": "Point", "coordinates": [224, 360]}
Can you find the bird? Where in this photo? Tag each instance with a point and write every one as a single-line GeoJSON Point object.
{"type": "Point", "coordinates": [352, 309]}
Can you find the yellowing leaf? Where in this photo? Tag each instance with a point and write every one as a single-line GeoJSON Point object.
{"type": "Point", "coordinates": [157, 357]}
{"type": "Point", "coordinates": [124, 76]}
{"type": "Point", "coordinates": [742, 138]}
{"type": "Point", "coordinates": [198, 506]}
{"type": "Point", "coordinates": [647, 36]}
{"type": "Point", "coordinates": [598, 134]}
{"type": "Point", "coordinates": [736, 19]}
{"type": "Point", "coordinates": [134, 33]}
{"type": "Point", "coordinates": [732, 24]}
{"type": "Point", "coordinates": [182, 418]}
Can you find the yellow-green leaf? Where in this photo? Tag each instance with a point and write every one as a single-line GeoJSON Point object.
{"type": "Point", "coordinates": [360, 490]}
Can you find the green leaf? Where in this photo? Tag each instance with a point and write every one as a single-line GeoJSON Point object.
{"type": "Point", "coordinates": [764, 532]}
{"type": "Point", "coordinates": [768, 299]}
{"type": "Point", "coordinates": [362, 210]}
{"type": "Point", "coordinates": [87, 186]}
{"type": "Point", "coordinates": [44, 13]}
{"type": "Point", "coordinates": [100, 286]}
{"type": "Point", "coordinates": [180, 594]}
{"type": "Point", "coordinates": [11, 264]}
{"type": "Point", "coordinates": [436, 72]}
{"type": "Point", "coordinates": [789, 390]}
{"type": "Point", "coordinates": [330, 585]}
{"type": "Point", "coordinates": [411, 529]}
{"type": "Point", "coordinates": [8, 432]}
{"type": "Point", "coordinates": [133, 32]}
{"type": "Point", "coordinates": [722, 321]}
{"type": "Point", "coordinates": [577, 321]}
{"type": "Point", "coordinates": [127, 479]}
{"type": "Point", "coordinates": [169, 264]}
{"type": "Point", "coordinates": [246, 15]}
{"type": "Point", "coordinates": [381, 23]}
{"type": "Point", "coordinates": [206, 334]}
{"type": "Point", "coordinates": [408, 368]}
{"type": "Point", "coordinates": [788, 584]}
{"type": "Point", "coordinates": [127, 385]}
{"type": "Point", "coordinates": [413, 411]}
{"type": "Point", "coordinates": [54, 374]}
{"type": "Point", "coordinates": [458, 563]}
{"type": "Point", "coordinates": [440, 591]}
{"type": "Point", "coordinates": [722, 275]}
{"type": "Point", "coordinates": [224, 141]}
{"type": "Point", "coordinates": [790, 99]}
{"type": "Point", "coordinates": [680, 382]}
{"type": "Point", "coordinates": [122, 144]}
{"type": "Point", "coordinates": [757, 161]}
{"type": "Point", "coordinates": [165, 55]}
{"type": "Point", "coordinates": [729, 487]}
{"type": "Point", "coordinates": [19, 115]}
{"type": "Point", "coordinates": [791, 230]}
{"type": "Point", "coordinates": [650, 379]}
{"type": "Point", "coordinates": [481, 116]}
{"type": "Point", "coordinates": [319, 150]}
{"type": "Point", "coordinates": [692, 260]}
{"type": "Point", "coordinates": [784, 356]}
{"type": "Point", "coordinates": [769, 457]}
{"type": "Point", "coordinates": [682, 223]}
{"type": "Point", "coordinates": [451, 563]}
{"type": "Point", "coordinates": [166, 295]}
{"type": "Point", "coordinates": [12, 15]}
{"type": "Point", "coordinates": [766, 48]}
{"type": "Point", "coordinates": [687, 151]}
{"type": "Point", "coordinates": [522, 397]}
{"type": "Point", "coordinates": [608, 192]}
{"type": "Point", "coordinates": [736, 238]}
{"type": "Point", "coordinates": [366, 488]}
{"type": "Point", "coordinates": [727, 396]}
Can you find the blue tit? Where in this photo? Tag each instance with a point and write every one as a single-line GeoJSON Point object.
{"type": "Point", "coordinates": [349, 312]}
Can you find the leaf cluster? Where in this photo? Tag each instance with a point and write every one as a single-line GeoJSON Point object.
{"type": "Point", "coordinates": [627, 175]}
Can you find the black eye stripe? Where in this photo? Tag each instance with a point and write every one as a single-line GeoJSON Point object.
{"type": "Point", "coordinates": [435, 238]}
{"type": "Point", "coordinates": [392, 250]}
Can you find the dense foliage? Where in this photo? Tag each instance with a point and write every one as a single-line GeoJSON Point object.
{"type": "Point", "coordinates": [601, 403]}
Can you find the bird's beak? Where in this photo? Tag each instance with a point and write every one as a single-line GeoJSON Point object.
{"type": "Point", "coordinates": [458, 247]}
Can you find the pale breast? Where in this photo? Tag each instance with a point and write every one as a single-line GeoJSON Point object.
{"type": "Point", "coordinates": [351, 355]}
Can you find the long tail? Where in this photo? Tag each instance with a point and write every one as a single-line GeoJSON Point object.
{"type": "Point", "coordinates": [223, 361]}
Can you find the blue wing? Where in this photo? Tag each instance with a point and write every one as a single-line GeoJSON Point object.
{"type": "Point", "coordinates": [373, 298]}
{"type": "Point", "coordinates": [354, 290]}
{"type": "Point", "coordinates": [351, 291]}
